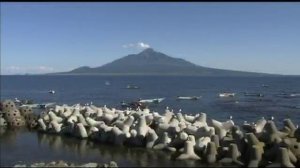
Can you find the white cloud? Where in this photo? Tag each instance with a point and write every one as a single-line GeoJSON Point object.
{"type": "Point", "coordinates": [139, 45]}
{"type": "Point", "coordinates": [23, 70]}
{"type": "Point", "coordinates": [43, 68]}
{"type": "Point", "coordinates": [13, 68]}
{"type": "Point", "coordinates": [143, 45]}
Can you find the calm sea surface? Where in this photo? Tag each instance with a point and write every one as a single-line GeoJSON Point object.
{"type": "Point", "coordinates": [20, 145]}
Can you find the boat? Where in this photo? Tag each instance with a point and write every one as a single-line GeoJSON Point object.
{"type": "Point", "coordinates": [282, 94]}
{"type": "Point", "coordinates": [188, 97]}
{"type": "Point", "coordinates": [51, 91]}
{"type": "Point", "coordinates": [295, 95]}
{"type": "Point", "coordinates": [38, 106]}
{"type": "Point", "coordinates": [132, 87]}
{"type": "Point", "coordinates": [157, 100]}
{"type": "Point", "coordinates": [254, 94]}
{"type": "Point", "coordinates": [286, 95]}
{"type": "Point", "coordinates": [226, 94]}
{"type": "Point", "coordinates": [30, 105]}
{"type": "Point", "coordinates": [133, 105]}
{"type": "Point", "coordinates": [264, 85]}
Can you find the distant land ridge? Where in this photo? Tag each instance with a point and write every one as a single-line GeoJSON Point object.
{"type": "Point", "coordinates": [151, 62]}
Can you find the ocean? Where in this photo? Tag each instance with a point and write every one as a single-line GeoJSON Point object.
{"type": "Point", "coordinates": [85, 89]}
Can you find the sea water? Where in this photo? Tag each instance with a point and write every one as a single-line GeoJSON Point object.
{"type": "Point", "coordinates": [19, 145]}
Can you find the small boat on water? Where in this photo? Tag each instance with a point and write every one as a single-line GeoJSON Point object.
{"type": "Point", "coordinates": [157, 100]}
{"type": "Point", "coordinates": [254, 94]}
{"type": "Point", "coordinates": [288, 95]}
{"type": "Point", "coordinates": [38, 106]}
{"type": "Point", "coordinates": [51, 91]}
{"type": "Point", "coordinates": [226, 94]}
{"type": "Point", "coordinates": [133, 105]}
{"type": "Point", "coordinates": [132, 87]}
{"type": "Point", "coordinates": [188, 97]}
{"type": "Point", "coordinates": [295, 95]}
{"type": "Point", "coordinates": [24, 101]}
{"type": "Point", "coordinates": [282, 94]}
{"type": "Point", "coordinates": [264, 85]}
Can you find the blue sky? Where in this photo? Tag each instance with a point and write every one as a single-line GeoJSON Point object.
{"type": "Point", "coordinates": [53, 36]}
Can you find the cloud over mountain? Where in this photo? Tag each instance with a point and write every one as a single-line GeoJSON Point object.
{"type": "Point", "coordinates": [139, 45]}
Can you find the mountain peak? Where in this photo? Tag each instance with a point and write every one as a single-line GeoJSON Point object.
{"type": "Point", "coordinates": [149, 62]}
{"type": "Point", "coordinates": [147, 51]}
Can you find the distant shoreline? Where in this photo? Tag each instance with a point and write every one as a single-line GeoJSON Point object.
{"type": "Point", "coordinates": [179, 75]}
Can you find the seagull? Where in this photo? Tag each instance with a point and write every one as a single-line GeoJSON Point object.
{"type": "Point", "coordinates": [17, 100]}
{"type": "Point", "coordinates": [230, 117]}
{"type": "Point", "coordinates": [51, 91]}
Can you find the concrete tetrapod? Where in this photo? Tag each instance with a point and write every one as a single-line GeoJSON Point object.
{"type": "Point", "coordinates": [232, 156]}
{"type": "Point", "coordinates": [292, 145]}
{"type": "Point", "coordinates": [142, 127]}
{"type": "Point", "coordinates": [211, 153]}
{"type": "Point", "coordinates": [238, 138]}
{"type": "Point", "coordinates": [163, 143]}
{"type": "Point", "coordinates": [171, 129]}
{"type": "Point", "coordinates": [252, 141]}
{"type": "Point", "coordinates": [290, 126]}
{"type": "Point", "coordinates": [80, 131]}
{"type": "Point", "coordinates": [151, 138]}
{"type": "Point", "coordinates": [93, 123]}
{"type": "Point", "coordinates": [255, 157]}
{"type": "Point", "coordinates": [178, 141]}
{"type": "Point", "coordinates": [282, 159]}
{"type": "Point", "coordinates": [82, 120]}
{"type": "Point", "coordinates": [260, 124]}
{"type": "Point", "coordinates": [42, 124]}
{"type": "Point", "coordinates": [188, 152]}
{"type": "Point", "coordinates": [222, 141]}
{"type": "Point", "coordinates": [219, 129]}
{"type": "Point", "coordinates": [3, 122]}
{"type": "Point", "coordinates": [118, 135]}
{"type": "Point", "coordinates": [201, 143]}
{"type": "Point", "coordinates": [8, 105]}
{"type": "Point", "coordinates": [55, 127]}
{"type": "Point", "coordinates": [125, 127]}
{"type": "Point", "coordinates": [54, 117]}
{"type": "Point", "coordinates": [271, 134]}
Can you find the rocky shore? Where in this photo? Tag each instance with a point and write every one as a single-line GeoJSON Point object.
{"type": "Point", "coordinates": [184, 137]}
